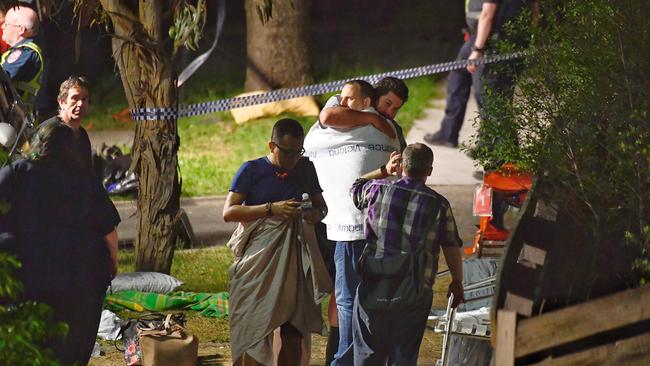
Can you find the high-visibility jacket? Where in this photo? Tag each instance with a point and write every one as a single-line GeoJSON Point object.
{"type": "Point", "coordinates": [27, 89]}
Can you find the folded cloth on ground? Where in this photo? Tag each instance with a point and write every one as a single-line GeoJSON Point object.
{"type": "Point", "coordinates": [159, 283]}
{"type": "Point", "coordinates": [213, 305]}
{"type": "Point", "coordinates": [301, 106]}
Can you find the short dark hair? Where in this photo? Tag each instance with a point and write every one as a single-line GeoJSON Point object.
{"type": "Point", "coordinates": [366, 89]}
{"type": "Point", "coordinates": [54, 144]}
{"type": "Point", "coordinates": [417, 159]}
{"type": "Point", "coordinates": [391, 84]}
{"type": "Point", "coordinates": [286, 126]}
{"type": "Point", "coordinates": [73, 82]}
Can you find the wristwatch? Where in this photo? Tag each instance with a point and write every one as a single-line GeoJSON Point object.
{"type": "Point", "coordinates": [383, 170]}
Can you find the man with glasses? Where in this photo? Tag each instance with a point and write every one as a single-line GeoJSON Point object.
{"type": "Point", "coordinates": [276, 264]}
{"type": "Point", "coordinates": [23, 62]}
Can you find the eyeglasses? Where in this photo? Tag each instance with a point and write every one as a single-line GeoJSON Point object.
{"type": "Point", "coordinates": [290, 152]}
{"type": "Point", "coordinates": [13, 25]}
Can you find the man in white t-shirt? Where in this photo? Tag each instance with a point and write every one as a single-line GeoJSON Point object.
{"type": "Point", "coordinates": [341, 153]}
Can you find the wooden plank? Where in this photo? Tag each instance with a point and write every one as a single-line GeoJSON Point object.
{"type": "Point", "coordinates": [630, 352]}
{"type": "Point", "coordinates": [583, 320]}
{"type": "Point", "coordinates": [518, 304]}
{"type": "Point", "coordinates": [505, 347]}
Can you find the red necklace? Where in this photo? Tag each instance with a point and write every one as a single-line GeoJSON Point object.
{"type": "Point", "coordinates": [282, 175]}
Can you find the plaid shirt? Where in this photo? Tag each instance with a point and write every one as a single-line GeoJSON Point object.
{"type": "Point", "coordinates": [404, 215]}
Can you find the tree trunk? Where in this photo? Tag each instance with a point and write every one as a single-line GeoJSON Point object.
{"type": "Point", "coordinates": [149, 80]}
{"type": "Point", "coordinates": [277, 50]}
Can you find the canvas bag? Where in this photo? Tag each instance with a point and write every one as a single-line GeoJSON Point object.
{"type": "Point", "coordinates": [157, 328]}
{"type": "Point", "coordinates": [168, 345]}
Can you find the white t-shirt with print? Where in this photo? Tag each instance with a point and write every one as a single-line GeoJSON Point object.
{"type": "Point", "coordinates": [340, 157]}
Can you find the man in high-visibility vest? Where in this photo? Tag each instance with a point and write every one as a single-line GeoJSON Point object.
{"type": "Point", "coordinates": [23, 62]}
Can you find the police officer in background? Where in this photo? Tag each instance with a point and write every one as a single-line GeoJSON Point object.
{"type": "Point", "coordinates": [23, 62]}
{"type": "Point", "coordinates": [459, 84]}
{"type": "Point", "coordinates": [494, 15]}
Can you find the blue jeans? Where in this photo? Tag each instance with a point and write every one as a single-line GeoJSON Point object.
{"type": "Point", "coordinates": [346, 259]}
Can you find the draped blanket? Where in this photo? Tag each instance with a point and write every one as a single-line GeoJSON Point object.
{"type": "Point", "coordinates": [278, 276]}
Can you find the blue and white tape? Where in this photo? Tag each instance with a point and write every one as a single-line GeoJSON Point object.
{"type": "Point", "coordinates": [154, 114]}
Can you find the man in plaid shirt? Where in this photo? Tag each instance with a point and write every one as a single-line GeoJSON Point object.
{"type": "Point", "coordinates": [406, 225]}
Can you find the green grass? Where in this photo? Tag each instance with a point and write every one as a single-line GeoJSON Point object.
{"type": "Point", "coordinates": [201, 270]}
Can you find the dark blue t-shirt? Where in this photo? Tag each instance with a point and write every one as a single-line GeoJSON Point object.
{"type": "Point", "coordinates": [263, 182]}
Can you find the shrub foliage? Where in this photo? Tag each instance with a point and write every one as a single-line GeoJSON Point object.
{"type": "Point", "coordinates": [580, 113]}
{"type": "Point", "coordinates": [26, 326]}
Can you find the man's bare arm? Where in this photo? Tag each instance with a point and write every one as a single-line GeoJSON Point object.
{"type": "Point", "coordinates": [343, 117]}
{"type": "Point", "coordinates": [235, 210]}
{"type": "Point", "coordinates": [390, 168]}
{"type": "Point", "coordinates": [485, 20]}
{"type": "Point", "coordinates": [111, 243]}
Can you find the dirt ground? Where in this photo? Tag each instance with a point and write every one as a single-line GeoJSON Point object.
{"type": "Point", "coordinates": [213, 354]}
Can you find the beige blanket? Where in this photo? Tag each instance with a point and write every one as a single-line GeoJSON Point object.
{"type": "Point", "coordinates": [278, 276]}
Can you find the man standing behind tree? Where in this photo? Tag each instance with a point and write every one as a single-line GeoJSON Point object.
{"type": "Point", "coordinates": [23, 62]}
{"type": "Point", "coordinates": [407, 224]}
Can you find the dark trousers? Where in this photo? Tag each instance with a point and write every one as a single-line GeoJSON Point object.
{"type": "Point", "coordinates": [459, 84]}
{"type": "Point", "coordinates": [81, 311]}
{"type": "Point", "coordinates": [389, 337]}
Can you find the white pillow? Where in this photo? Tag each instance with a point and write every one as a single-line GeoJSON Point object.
{"type": "Point", "coordinates": [159, 283]}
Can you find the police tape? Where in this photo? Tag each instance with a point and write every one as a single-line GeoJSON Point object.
{"type": "Point", "coordinates": [155, 114]}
